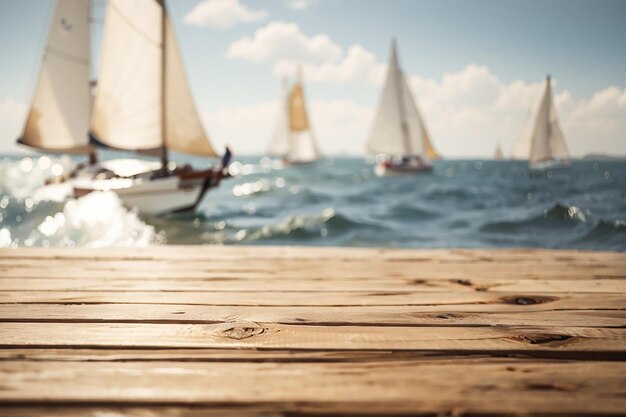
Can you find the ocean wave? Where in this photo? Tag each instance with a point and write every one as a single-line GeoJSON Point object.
{"type": "Point", "coordinates": [559, 215]}
{"type": "Point", "coordinates": [300, 226]}
{"type": "Point", "coordinates": [611, 234]}
{"type": "Point", "coordinates": [450, 193]}
{"type": "Point", "coordinates": [563, 212]}
{"type": "Point", "coordinates": [96, 220]}
{"type": "Point", "coordinates": [406, 211]}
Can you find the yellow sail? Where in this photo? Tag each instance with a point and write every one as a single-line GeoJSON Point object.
{"type": "Point", "coordinates": [298, 118]}
{"type": "Point", "coordinates": [431, 153]}
{"type": "Point", "coordinates": [300, 138]}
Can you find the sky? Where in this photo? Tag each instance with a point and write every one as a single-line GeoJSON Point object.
{"type": "Point", "coordinates": [475, 67]}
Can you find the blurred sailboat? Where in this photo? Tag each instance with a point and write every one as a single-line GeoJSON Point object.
{"type": "Point", "coordinates": [498, 155]}
{"type": "Point", "coordinates": [143, 104]}
{"type": "Point", "coordinates": [399, 137]}
{"type": "Point", "coordinates": [293, 140]}
{"type": "Point", "coordinates": [542, 141]}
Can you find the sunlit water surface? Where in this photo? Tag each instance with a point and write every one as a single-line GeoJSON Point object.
{"type": "Point", "coordinates": [336, 202]}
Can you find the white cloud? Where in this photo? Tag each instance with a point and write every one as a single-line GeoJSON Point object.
{"type": "Point", "coordinates": [12, 115]}
{"type": "Point", "coordinates": [285, 46]}
{"type": "Point", "coordinates": [467, 112]}
{"type": "Point", "coordinates": [598, 124]}
{"type": "Point", "coordinates": [222, 14]}
{"type": "Point", "coordinates": [280, 41]}
{"type": "Point", "coordinates": [300, 4]}
{"type": "Point", "coordinates": [358, 65]}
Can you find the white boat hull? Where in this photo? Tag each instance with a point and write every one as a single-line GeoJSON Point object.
{"type": "Point", "coordinates": [160, 198]}
{"type": "Point", "coordinates": [149, 195]}
{"type": "Point", "coordinates": [153, 197]}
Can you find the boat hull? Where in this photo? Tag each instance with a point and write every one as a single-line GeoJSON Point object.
{"type": "Point", "coordinates": [154, 197]}
{"type": "Point", "coordinates": [152, 192]}
{"type": "Point", "coordinates": [389, 169]}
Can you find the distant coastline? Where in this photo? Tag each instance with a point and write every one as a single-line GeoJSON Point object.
{"type": "Point", "coordinates": [603, 157]}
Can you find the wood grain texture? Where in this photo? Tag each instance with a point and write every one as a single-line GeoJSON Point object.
{"type": "Point", "coordinates": [275, 336]}
{"type": "Point", "coordinates": [455, 315]}
{"type": "Point", "coordinates": [483, 387]}
{"type": "Point", "coordinates": [287, 331]}
{"type": "Point", "coordinates": [316, 285]}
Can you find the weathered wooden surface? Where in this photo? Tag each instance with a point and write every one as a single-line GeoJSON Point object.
{"type": "Point", "coordinates": [246, 331]}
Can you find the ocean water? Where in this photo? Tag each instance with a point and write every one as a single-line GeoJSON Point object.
{"type": "Point", "coordinates": [336, 202]}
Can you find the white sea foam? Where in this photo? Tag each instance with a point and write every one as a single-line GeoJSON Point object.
{"type": "Point", "coordinates": [95, 220]}
{"type": "Point", "coordinates": [21, 178]}
{"type": "Point", "coordinates": [314, 221]}
{"type": "Point", "coordinates": [32, 214]}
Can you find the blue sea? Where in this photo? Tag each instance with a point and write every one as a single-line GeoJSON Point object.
{"type": "Point", "coordinates": [336, 202]}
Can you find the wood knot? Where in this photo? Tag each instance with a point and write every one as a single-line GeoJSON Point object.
{"type": "Point", "coordinates": [552, 386]}
{"type": "Point", "coordinates": [446, 316]}
{"type": "Point", "coordinates": [240, 331]}
{"type": "Point", "coordinates": [464, 282]}
{"type": "Point", "coordinates": [549, 339]}
{"type": "Point", "coordinates": [526, 300]}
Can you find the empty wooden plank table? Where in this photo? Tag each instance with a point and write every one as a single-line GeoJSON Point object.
{"type": "Point", "coordinates": [277, 331]}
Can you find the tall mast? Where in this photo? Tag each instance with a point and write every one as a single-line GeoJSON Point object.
{"type": "Point", "coordinates": [549, 87]}
{"type": "Point", "coordinates": [163, 85]}
{"type": "Point", "coordinates": [405, 126]}
{"type": "Point", "coordinates": [93, 156]}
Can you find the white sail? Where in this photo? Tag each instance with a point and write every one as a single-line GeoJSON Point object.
{"type": "Point", "coordinates": [399, 128]}
{"type": "Point", "coordinates": [143, 99]}
{"type": "Point", "coordinates": [58, 118]}
{"type": "Point", "coordinates": [184, 130]}
{"type": "Point", "coordinates": [127, 108]}
{"type": "Point", "coordinates": [302, 146]}
{"type": "Point", "coordinates": [547, 141]}
{"type": "Point", "coordinates": [279, 142]}
{"type": "Point", "coordinates": [541, 137]}
{"type": "Point", "coordinates": [386, 135]}
{"type": "Point", "coordinates": [558, 147]}
{"type": "Point", "coordinates": [416, 129]}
